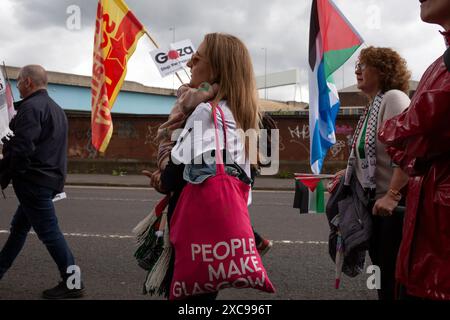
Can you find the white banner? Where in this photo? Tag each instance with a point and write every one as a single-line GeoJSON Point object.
{"type": "Point", "coordinates": [170, 60]}
{"type": "Point", "coordinates": [4, 115]}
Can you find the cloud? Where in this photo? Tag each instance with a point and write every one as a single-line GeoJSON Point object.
{"type": "Point", "coordinates": [36, 15]}
{"type": "Point", "coordinates": [35, 31]}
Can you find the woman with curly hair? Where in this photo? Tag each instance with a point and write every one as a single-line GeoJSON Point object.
{"type": "Point", "coordinates": [382, 75]}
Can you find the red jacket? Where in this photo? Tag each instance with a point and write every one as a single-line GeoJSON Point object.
{"type": "Point", "coordinates": [419, 141]}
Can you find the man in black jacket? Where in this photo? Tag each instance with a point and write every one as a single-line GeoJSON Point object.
{"type": "Point", "coordinates": [35, 159]}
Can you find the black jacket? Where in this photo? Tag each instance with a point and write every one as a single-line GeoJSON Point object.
{"type": "Point", "coordinates": [38, 150]}
{"type": "Point", "coordinates": [349, 214]}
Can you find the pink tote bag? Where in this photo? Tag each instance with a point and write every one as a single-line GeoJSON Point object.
{"type": "Point", "coordinates": [212, 236]}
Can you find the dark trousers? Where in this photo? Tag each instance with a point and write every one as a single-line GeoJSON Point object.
{"type": "Point", "coordinates": [384, 246]}
{"type": "Point", "coordinates": [35, 210]}
{"type": "Point", "coordinates": [258, 238]}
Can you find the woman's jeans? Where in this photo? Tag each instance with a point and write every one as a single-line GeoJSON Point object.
{"type": "Point", "coordinates": [35, 210]}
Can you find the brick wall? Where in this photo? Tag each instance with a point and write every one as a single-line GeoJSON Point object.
{"type": "Point", "coordinates": [133, 147]}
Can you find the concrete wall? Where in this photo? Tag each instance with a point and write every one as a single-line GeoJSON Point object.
{"type": "Point", "coordinates": [133, 146]}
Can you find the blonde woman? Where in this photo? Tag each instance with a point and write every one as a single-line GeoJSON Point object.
{"type": "Point", "coordinates": [223, 61]}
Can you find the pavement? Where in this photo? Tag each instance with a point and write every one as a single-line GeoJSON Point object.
{"type": "Point", "coordinates": [141, 181]}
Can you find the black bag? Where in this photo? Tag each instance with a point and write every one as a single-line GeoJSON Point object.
{"type": "Point", "coordinates": [354, 222]}
{"type": "Point", "coordinates": [5, 174]}
{"type": "Point", "coordinates": [339, 193]}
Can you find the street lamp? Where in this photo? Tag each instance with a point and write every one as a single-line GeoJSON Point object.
{"type": "Point", "coordinates": [173, 30]}
{"type": "Point", "coordinates": [265, 72]}
{"type": "Point", "coordinates": [173, 41]}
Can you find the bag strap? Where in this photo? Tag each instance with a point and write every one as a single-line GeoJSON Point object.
{"type": "Point", "coordinates": [224, 126]}
{"type": "Point", "coordinates": [161, 205]}
{"type": "Point", "coordinates": [220, 168]}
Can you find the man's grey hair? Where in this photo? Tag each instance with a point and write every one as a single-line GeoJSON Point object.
{"type": "Point", "coordinates": [36, 73]}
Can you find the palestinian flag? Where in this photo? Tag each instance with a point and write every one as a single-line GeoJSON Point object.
{"type": "Point", "coordinates": [332, 41]}
{"type": "Point", "coordinates": [310, 193]}
{"type": "Point", "coordinates": [309, 201]}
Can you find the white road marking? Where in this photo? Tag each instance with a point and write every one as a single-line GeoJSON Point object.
{"type": "Point", "coordinates": [273, 191]}
{"type": "Point", "coordinates": [110, 199]}
{"type": "Point", "coordinates": [69, 197]}
{"type": "Point", "coordinates": [152, 189]}
{"type": "Point", "coordinates": [301, 242]}
{"type": "Point", "coordinates": [85, 235]}
{"type": "Point", "coordinates": [117, 236]}
{"type": "Point", "coordinates": [254, 204]}
{"type": "Point", "coordinates": [108, 187]}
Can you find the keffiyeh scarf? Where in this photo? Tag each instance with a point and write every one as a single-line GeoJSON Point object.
{"type": "Point", "coordinates": [365, 150]}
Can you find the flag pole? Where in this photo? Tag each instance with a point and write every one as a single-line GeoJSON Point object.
{"type": "Point", "coordinates": [157, 46]}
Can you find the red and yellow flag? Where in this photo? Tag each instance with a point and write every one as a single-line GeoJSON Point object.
{"type": "Point", "coordinates": [117, 32]}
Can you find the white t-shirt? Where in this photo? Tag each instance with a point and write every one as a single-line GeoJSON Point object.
{"type": "Point", "coordinates": [198, 137]}
{"type": "Point", "coordinates": [394, 102]}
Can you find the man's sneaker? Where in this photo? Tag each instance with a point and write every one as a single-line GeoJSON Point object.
{"type": "Point", "coordinates": [264, 247]}
{"type": "Point", "coordinates": [62, 292]}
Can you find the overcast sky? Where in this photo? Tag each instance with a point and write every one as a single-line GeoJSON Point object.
{"type": "Point", "coordinates": [35, 31]}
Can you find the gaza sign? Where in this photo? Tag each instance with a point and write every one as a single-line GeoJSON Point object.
{"type": "Point", "coordinates": [170, 60]}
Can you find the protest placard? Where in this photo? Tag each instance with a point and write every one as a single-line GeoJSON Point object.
{"type": "Point", "coordinates": [170, 60]}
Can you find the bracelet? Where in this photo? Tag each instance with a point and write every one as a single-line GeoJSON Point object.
{"type": "Point", "coordinates": [396, 194]}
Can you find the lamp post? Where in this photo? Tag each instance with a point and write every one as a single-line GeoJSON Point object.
{"type": "Point", "coordinates": [265, 72]}
{"type": "Point", "coordinates": [173, 41]}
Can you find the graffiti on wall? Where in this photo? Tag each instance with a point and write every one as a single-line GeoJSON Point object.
{"type": "Point", "coordinates": [344, 130]}
{"type": "Point", "coordinates": [135, 139]}
{"type": "Point", "coordinates": [337, 148]}
{"type": "Point", "coordinates": [150, 135]}
{"type": "Point", "coordinates": [82, 148]}
{"type": "Point", "coordinates": [300, 136]}
{"type": "Point", "coordinates": [297, 133]}
{"type": "Point", "coordinates": [150, 138]}
{"type": "Point", "coordinates": [126, 130]}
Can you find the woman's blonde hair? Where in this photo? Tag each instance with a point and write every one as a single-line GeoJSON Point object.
{"type": "Point", "coordinates": [392, 68]}
{"type": "Point", "coordinates": [233, 70]}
